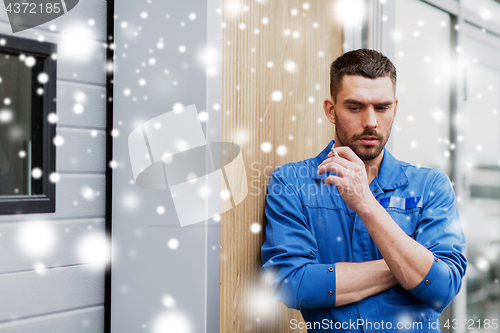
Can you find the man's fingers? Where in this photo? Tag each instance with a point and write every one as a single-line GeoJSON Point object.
{"type": "Point", "coordinates": [333, 180]}
{"type": "Point", "coordinates": [340, 160]}
{"type": "Point", "coordinates": [332, 166]}
{"type": "Point", "coordinates": [348, 154]}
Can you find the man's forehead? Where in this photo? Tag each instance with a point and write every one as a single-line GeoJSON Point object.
{"type": "Point", "coordinates": [366, 90]}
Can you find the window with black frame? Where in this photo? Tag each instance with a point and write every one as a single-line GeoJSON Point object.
{"type": "Point", "coordinates": [27, 126]}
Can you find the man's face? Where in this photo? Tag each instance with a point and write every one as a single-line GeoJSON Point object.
{"type": "Point", "coordinates": [363, 114]}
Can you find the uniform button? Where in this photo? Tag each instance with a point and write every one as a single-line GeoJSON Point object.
{"type": "Point", "coordinates": [330, 293]}
{"type": "Point", "coordinates": [376, 190]}
{"type": "Point", "coordinates": [330, 269]}
{"type": "Point", "coordinates": [436, 259]}
{"type": "Point", "coordinates": [426, 281]}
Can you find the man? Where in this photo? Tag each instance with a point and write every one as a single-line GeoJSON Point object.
{"type": "Point", "coordinates": [359, 241]}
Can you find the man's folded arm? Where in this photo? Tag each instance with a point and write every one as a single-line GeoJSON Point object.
{"type": "Point", "coordinates": [289, 257]}
{"type": "Point", "coordinates": [357, 281]}
{"type": "Point", "coordinates": [440, 231]}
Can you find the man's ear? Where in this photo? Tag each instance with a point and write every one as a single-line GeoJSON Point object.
{"type": "Point", "coordinates": [329, 108]}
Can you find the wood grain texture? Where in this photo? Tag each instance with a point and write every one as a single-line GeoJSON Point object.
{"type": "Point", "coordinates": [251, 117]}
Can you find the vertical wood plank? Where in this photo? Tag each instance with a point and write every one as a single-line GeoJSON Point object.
{"type": "Point", "coordinates": [295, 124]}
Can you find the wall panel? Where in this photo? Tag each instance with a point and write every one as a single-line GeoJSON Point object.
{"type": "Point", "coordinates": [46, 301]}
{"type": "Point", "coordinates": [290, 54]}
{"type": "Point", "coordinates": [84, 150]}
{"type": "Point", "coordinates": [70, 237]}
{"type": "Point", "coordinates": [89, 320]}
{"type": "Point", "coordinates": [86, 68]}
{"type": "Point", "coordinates": [50, 290]}
{"type": "Point", "coordinates": [93, 100]}
{"type": "Point", "coordinates": [77, 196]}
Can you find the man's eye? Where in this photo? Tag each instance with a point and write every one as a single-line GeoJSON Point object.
{"type": "Point", "coordinates": [354, 109]}
{"type": "Point", "coordinates": [383, 108]}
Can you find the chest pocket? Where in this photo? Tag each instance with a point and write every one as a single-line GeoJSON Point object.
{"type": "Point", "coordinates": [404, 211]}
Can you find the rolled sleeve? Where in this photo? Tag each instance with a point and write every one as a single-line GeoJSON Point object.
{"type": "Point", "coordinates": [440, 231]}
{"type": "Point", "coordinates": [317, 287]}
{"type": "Point", "coordinates": [289, 251]}
{"type": "Point", "coordinates": [435, 287]}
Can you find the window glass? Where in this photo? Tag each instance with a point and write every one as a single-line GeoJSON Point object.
{"type": "Point", "coordinates": [488, 10]}
{"type": "Point", "coordinates": [421, 135]}
{"type": "Point", "coordinates": [480, 148]}
{"type": "Point", "coordinates": [15, 123]}
{"type": "Point", "coordinates": [27, 125]}
{"type": "Point", "coordinates": [422, 53]}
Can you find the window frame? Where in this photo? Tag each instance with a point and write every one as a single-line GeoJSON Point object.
{"type": "Point", "coordinates": [41, 128]}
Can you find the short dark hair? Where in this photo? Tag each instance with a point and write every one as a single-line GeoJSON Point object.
{"type": "Point", "coordinates": [367, 63]}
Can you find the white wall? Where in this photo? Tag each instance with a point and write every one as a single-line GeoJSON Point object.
{"type": "Point", "coordinates": [156, 287]}
{"type": "Point", "coordinates": [68, 295]}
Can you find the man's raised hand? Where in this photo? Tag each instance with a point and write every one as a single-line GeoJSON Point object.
{"type": "Point", "coordinates": [352, 180]}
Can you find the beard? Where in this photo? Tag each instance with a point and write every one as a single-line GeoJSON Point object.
{"type": "Point", "coordinates": [365, 153]}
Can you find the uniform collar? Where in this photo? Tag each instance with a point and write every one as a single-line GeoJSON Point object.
{"type": "Point", "coordinates": [390, 175]}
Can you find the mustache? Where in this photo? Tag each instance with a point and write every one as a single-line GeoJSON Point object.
{"type": "Point", "coordinates": [368, 132]}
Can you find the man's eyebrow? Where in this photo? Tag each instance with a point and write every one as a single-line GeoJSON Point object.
{"type": "Point", "coordinates": [387, 103]}
{"type": "Point", "coordinates": [353, 101]}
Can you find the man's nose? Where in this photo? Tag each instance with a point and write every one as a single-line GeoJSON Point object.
{"type": "Point", "coordinates": [370, 118]}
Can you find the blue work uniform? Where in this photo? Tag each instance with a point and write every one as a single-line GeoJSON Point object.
{"type": "Point", "coordinates": [310, 228]}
